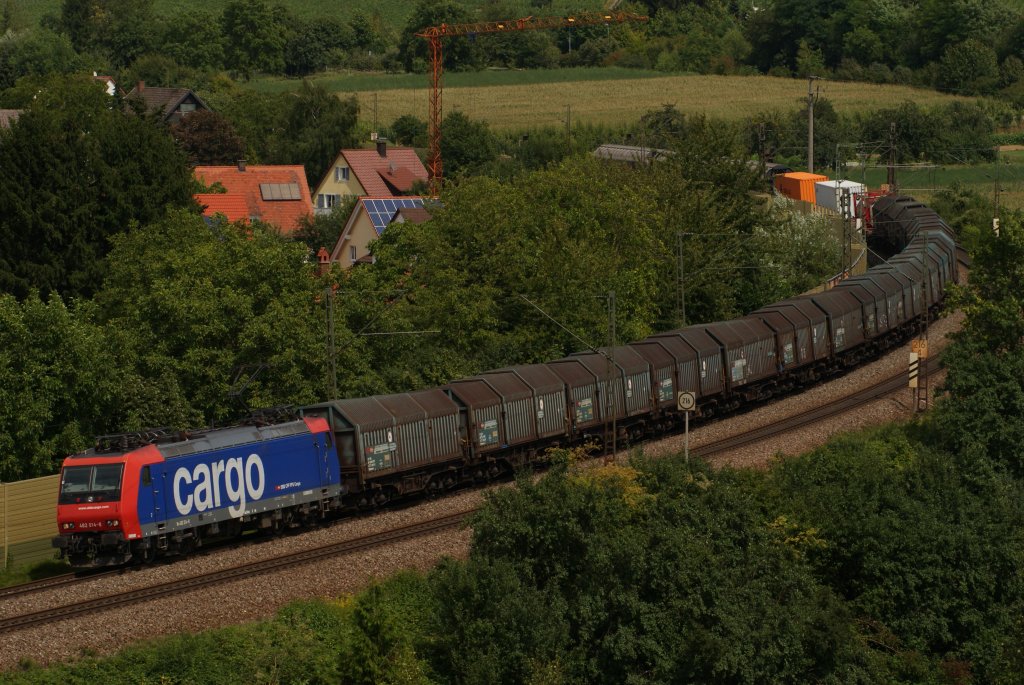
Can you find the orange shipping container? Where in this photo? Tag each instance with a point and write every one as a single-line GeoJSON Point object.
{"type": "Point", "coordinates": [798, 185]}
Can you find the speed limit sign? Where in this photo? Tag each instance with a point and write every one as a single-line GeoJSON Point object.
{"type": "Point", "coordinates": [686, 401]}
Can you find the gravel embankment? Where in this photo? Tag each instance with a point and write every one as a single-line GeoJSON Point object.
{"type": "Point", "coordinates": [258, 598]}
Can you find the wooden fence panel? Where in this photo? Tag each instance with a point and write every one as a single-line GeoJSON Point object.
{"type": "Point", "coordinates": [29, 519]}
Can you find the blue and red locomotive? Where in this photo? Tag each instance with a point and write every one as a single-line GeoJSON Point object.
{"type": "Point", "coordinates": [139, 497]}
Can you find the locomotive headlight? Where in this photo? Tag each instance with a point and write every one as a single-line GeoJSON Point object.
{"type": "Point", "coordinates": [68, 526]}
{"type": "Point", "coordinates": [113, 523]}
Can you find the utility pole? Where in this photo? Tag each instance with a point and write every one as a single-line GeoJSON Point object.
{"type": "Point", "coordinates": [890, 177]}
{"type": "Point", "coordinates": [331, 356]}
{"type": "Point", "coordinates": [811, 97]}
{"type": "Point", "coordinates": [681, 278]}
{"type": "Point", "coordinates": [996, 191]}
{"type": "Point", "coordinates": [610, 383]}
{"type": "Point", "coordinates": [847, 214]}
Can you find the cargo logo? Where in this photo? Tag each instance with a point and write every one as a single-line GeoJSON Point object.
{"type": "Point", "coordinates": [234, 478]}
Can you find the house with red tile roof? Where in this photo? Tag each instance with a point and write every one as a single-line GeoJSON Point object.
{"type": "Point", "coordinates": [231, 206]}
{"type": "Point", "coordinates": [170, 103]}
{"type": "Point", "coordinates": [277, 195]}
{"type": "Point", "coordinates": [379, 172]}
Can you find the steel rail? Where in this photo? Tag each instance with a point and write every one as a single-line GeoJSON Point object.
{"type": "Point", "coordinates": [228, 575]}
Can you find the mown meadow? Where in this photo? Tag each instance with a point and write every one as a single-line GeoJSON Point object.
{"type": "Point", "coordinates": [609, 96]}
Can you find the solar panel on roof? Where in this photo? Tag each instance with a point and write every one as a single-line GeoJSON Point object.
{"type": "Point", "coordinates": [382, 211]}
{"type": "Point", "coordinates": [280, 191]}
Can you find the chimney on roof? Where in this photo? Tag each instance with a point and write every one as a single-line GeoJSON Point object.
{"type": "Point", "coordinates": [382, 147]}
{"type": "Point", "coordinates": [140, 86]}
{"type": "Point", "coordinates": [241, 165]}
{"type": "Point", "coordinates": [323, 261]}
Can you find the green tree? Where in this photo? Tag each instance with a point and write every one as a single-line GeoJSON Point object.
{"type": "Point", "coordinates": [76, 173]}
{"type": "Point", "coordinates": [369, 32]}
{"type": "Point", "coordinates": [314, 44]}
{"type": "Point", "coordinates": [36, 53]}
{"type": "Point", "coordinates": [929, 557]}
{"type": "Point", "coordinates": [256, 36]}
{"type": "Point", "coordinates": [459, 53]}
{"type": "Point", "coordinates": [970, 68]}
{"type": "Point", "coordinates": [259, 118]}
{"type": "Point", "coordinates": [317, 125]}
{"type": "Point", "coordinates": [561, 238]}
{"type": "Point", "coordinates": [495, 626]}
{"type": "Point", "coordinates": [466, 145]}
{"type": "Point", "coordinates": [979, 416]}
{"type": "Point", "coordinates": [943, 23]}
{"type": "Point", "coordinates": [208, 138]}
{"type": "Point", "coordinates": [864, 44]}
{"type": "Point", "coordinates": [237, 299]}
{"type": "Point", "coordinates": [410, 130]}
{"type": "Point", "coordinates": [656, 574]}
{"type": "Point", "coordinates": [809, 61]}
{"type": "Point", "coordinates": [64, 380]}
{"type": "Point", "coordinates": [193, 38]}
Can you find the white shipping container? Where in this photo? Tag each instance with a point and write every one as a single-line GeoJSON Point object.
{"type": "Point", "coordinates": [829, 194]}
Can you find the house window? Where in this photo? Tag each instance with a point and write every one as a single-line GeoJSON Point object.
{"type": "Point", "coordinates": [187, 107]}
{"type": "Point", "coordinates": [327, 201]}
{"type": "Point", "coordinates": [341, 173]}
{"type": "Point", "coordinates": [352, 253]}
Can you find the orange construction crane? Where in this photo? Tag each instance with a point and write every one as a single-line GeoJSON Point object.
{"type": "Point", "coordinates": [434, 34]}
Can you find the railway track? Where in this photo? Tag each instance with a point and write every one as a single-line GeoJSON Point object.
{"type": "Point", "coordinates": [880, 389]}
{"type": "Point", "coordinates": [230, 574]}
{"type": "Point", "coordinates": [15, 623]}
{"type": "Point", "coordinates": [40, 585]}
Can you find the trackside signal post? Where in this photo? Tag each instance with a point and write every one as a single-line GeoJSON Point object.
{"type": "Point", "coordinates": [686, 402]}
{"type": "Point", "coordinates": [918, 376]}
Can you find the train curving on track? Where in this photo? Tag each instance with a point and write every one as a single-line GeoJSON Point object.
{"type": "Point", "coordinates": [136, 497]}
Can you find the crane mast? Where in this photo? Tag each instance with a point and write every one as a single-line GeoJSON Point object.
{"type": "Point", "coordinates": [435, 34]}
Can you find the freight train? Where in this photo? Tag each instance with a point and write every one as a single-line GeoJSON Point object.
{"type": "Point", "coordinates": [145, 495]}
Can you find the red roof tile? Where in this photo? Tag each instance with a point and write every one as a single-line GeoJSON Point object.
{"type": "Point", "coordinates": [401, 165]}
{"type": "Point", "coordinates": [285, 214]}
{"type": "Point", "coordinates": [231, 206]}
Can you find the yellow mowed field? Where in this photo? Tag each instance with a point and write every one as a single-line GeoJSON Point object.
{"type": "Point", "coordinates": [623, 101]}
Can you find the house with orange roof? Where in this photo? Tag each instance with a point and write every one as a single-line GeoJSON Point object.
{"type": "Point", "coordinates": [367, 222]}
{"type": "Point", "coordinates": [379, 172]}
{"type": "Point", "coordinates": [273, 194]}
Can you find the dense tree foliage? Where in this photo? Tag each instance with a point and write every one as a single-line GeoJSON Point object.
{"type": "Point", "coordinates": [985, 382]}
{"type": "Point", "coordinates": [307, 128]}
{"type": "Point", "coordinates": [76, 172]}
{"type": "Point", "coordinates": [521, 270]}
{"type": "Point", "coordinates": [964, 46]}
{"type": "Point", "coordinates": [62, 381]}
{"type": "Point", "coordinates": [216, 305]}
{"type": "Point", "coordinates": [208, 138]}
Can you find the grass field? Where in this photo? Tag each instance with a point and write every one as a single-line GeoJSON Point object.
{"type": "Point", "coordinates": [521, 100]}
{"type": "Point", "coordinates": [923, 181]}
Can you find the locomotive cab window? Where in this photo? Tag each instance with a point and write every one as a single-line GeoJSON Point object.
{"type": "Point", "coordinates": [147, 476]}
{"type": "Point", "coordinates": [100, 483]}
